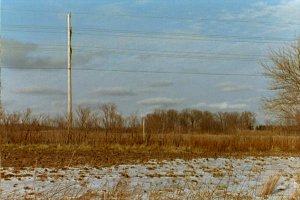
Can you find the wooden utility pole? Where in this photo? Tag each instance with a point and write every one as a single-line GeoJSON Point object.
{"type": "Point", "coordinates": [69, 33]}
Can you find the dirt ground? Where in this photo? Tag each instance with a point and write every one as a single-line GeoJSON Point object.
{"type": "Point", "coordinates": [100, 157]}
{"type": "Point", "coordinates": [49, 156]}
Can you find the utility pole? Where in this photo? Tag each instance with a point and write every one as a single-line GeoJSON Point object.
{"type": "Point", "coordinates": [69, 67]}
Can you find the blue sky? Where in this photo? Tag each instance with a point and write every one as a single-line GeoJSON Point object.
{"type": "Point", "coordinates": [119, 44]}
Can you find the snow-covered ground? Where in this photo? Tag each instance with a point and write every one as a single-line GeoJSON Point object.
{"type": "Point", "coordinates": [206, 178]}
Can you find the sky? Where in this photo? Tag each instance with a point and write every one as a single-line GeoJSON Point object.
{"type": "Point", "coordinates": [143, 54]}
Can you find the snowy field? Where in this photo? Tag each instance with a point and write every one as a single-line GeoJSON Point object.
{"type": "Point", "coordinates": [220, 178]}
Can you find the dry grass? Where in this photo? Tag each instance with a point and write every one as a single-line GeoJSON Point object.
{"type": "Point", "coordinates": [297, 177]}
{"type": "Point", "coordinates": [46, 146]}
{"type": "Point", "coordinates": [125, 192]}
{"type": "Point", "coordinates": [269, 185]}
{"type": "Point", "coordinates": [51, 148]}
{"type": "Point", "coordinates": [247, 141]}
{"type": "Point", "coordinates": [22, 146]}
{"type": "Point", "coordinates": [295, 195]}
{"type": "Point", "coordinates": [23, 129]}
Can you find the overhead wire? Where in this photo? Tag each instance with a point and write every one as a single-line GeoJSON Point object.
{"type": "Point", "coordinates": [170, 72]}
{"type": "Point", "coordinates": [150, 53]}
{"type": "Point", "coordinates": [162, 17]}
{"type": "Point", "coordinates": [139, 71]}
{"type": "Point", "coordinates": [144, 34]}
{"type": "Point", "coordinates": [150, 34]}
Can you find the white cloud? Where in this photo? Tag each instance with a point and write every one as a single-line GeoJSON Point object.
{"type": "Point", "coordinates": [20, 54]}
{"type": "Point", "coordinates": [222, 106]}
{"type": "Point", "coordinates": [161, 101]}
{"type": "Point", "coordinates": [232, 87]}
{"type": "Point", "coordinates": [40, 91]}
{"type": "Point", "coordinates": [112, 9]}
{"type": "Point", "coordinates": [147, 91]}
{"type": "Point", "coordinates": [9, 103]}
{"type": "Point", "coordinates": [141, 2]}
{"type": "Point", "coordinates": [225, 105]}
{"type": "Point", "coordinates": [162, 83]}
{"type": "Point", "coordinates": [27, 55]}
{"type": "Point", "coordinates": [59, 104]}
{"type": "Point", "coordinates": [248, 100]}
{"type": "Point", "coordinates": [287, 11]}
{"type": "Point", "coordinates": [90, 103]}
{"type": "Point", "coordinates": [114, 91]}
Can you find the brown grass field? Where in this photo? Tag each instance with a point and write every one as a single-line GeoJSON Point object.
{"type": "Point", "coordinates": [61, 150]}
{"type": "Point", "coordinates": [58, 148]}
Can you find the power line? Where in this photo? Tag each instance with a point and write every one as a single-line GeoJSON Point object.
{"type": "Point", "coordinates": [170, 36]}
{"type": "Point", "coordinates": [205, 38]}
{"type": "Point", "coordinates": [170, 72]}
{"type": "Point", "coordinates": [175, 53]}
{"type": "Point", "coordinates": [170, 52]}
{"type": "Point", "coordinates": [200, 57]}
{"type": "Point", "coordinates": [31, 31]}
{"type": "Point", "coordinates": [140, 71]}
{"type": "Point", "coordinates": [179, 56]}
{"type": "Point", "coordinates": [165, 17]}
{"type": "Point", "coordinates": [126, 51]}
{"type": "Point", "coordinates": [79, 47]}
{"type": "Point", "coordinates": [145, 34]}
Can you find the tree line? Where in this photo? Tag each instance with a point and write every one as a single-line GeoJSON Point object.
{"type": "Point", "coordinates": [193, 120]}
{"type": "Point", "coordinates": [107, 118]}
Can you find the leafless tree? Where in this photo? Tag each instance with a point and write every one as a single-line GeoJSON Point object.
{"type": "Point", "coordinates": [247, 120]}
{"type": "Point", "coordinates": [133, 124]}
{"type": "Point", "coordinates": [86, 119]}
{"type": "Point", "coordinates": [111, 119]}
{"type": "Point", "coordinates": [284, 71]}
{"type": "Point", "coordinates": [59, 122]}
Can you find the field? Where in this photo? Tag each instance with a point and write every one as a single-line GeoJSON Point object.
{"type": "Point", "coordinates": [42, 159]}
{"type": "Point", "coordinates": [93, 165]}
{"type": "Point", "coordinates": [201, 178]}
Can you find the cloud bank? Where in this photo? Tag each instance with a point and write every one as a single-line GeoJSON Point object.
{"type": "Point", "coordinates": [233, 87]}
{"type": "Point", "coordinates": [40, 91]}
{"type": "Point", "coordinates": [159, 84]}
{"type": "Point", "coordinates": [161, 101]}
{"type": "Point", "coordinates": [114, 91]}
{"type": "Point", "coordinates": [223, 106]}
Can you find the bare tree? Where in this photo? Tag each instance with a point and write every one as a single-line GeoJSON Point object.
{"type": "Point", "coordinates": [112, 120]}
{"type": "Point", "coordinates": [247, 120]}
{"type": "Point", "coordinates": [284, 71]}
{"type": "Point", "coordinates": [133, 124]}
{"type": "Point", "coordinates": [86, 119]}
{"type": "Point", "coordinates": [59, 122]}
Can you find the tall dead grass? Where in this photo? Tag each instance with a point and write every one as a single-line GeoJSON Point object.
{"type": "Point", "coordinates": [247, 141]}
{"type": "Point", "coordinates": [23, 128]}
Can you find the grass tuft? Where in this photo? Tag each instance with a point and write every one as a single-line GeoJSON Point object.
{"type": "Point", "coordinates": [269, 185]}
